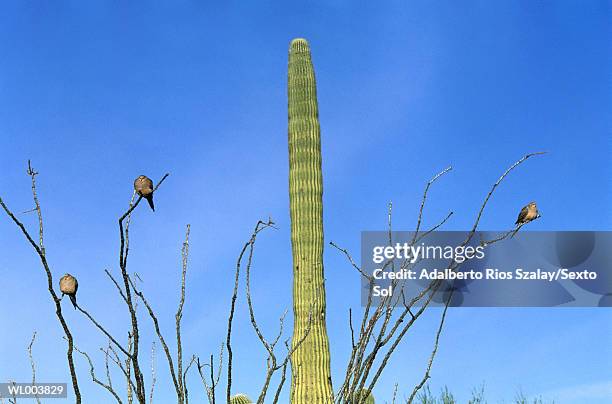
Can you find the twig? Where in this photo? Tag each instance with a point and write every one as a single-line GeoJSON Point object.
{"type": "Point", "coordinates": [116, 285]}
{"type": "Point", "coordinates": [486, 200]}
{"type": "Point", "coordinates": [348, 256]}
{"type": "Point", "coordinates": [209, 390]}
{"type": "Point", "coordinates": [433, 352]}
{"type": "Point", "coordinates": [33, 175]}
{"type": "Point", "coordinates": [179, 315]}
{"type": "Point", "coordinates": [159, 335]}
{"type": "Point", "coordinates": [191, 362]}
{"type": "Point", "coordinates": [153, 373]}
{"type": "Point", "coordinates": [107, 386]}
{"type": "Point", "coordinates": [214, 381]}
{"type": "Point", "coordinates": [117, 361]}
{"type": "Point", "coordinates": [427, 186]}
{"type": "Point", "coordinates": [110, 337]}
{"type": "Point", "coordinates": [32, 364]}
{"type": "Point", "coordinates": [228, 343]}
{"type": "Point", "coordinates": [14, 399]}
{"type": "Point", "coordinates": [281, 383]}
{"type": "Point", "coordinates": [128, 371]}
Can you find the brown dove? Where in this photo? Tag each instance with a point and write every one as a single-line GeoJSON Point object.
{"type": "Point", "coordinates": [144, 187]}
{"type": "Point", "coordinates": [528, 213]}
{"type": "Point", "coordinates": [68, 286]}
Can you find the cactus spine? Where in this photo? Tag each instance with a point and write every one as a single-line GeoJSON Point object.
{"type": "Point", "coordinates": [240, 399]}
{"type": "Point", "coordinates": [310, 363]}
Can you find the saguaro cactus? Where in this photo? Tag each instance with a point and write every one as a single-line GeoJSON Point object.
{"type": "Point", "coordinates": [240, 399]}
{"type": "Point", "coordinates": [311, 375]}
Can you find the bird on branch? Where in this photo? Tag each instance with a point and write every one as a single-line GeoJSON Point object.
{"type": "Point", "coordinates": [68, 286]}
{"type": "Point", "coordinates": [143, 185]}
{"type": "Point", "coordinates": [528, 214]}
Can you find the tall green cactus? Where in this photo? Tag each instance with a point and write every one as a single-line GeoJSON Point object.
{"type": "Point", "coordinates": [311, 375]}
{"type": "Point", "coordinates": [240, 399]}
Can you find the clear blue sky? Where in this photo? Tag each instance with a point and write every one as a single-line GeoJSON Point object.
{"type": "Point", "coordinates": [98, 93]}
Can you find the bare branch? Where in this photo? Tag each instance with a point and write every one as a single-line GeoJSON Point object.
{"type": "Point", "coordinates": [427, 186]}
{"type": "Point", "coordinates": [272, 362]}
{"type": "Point", "coordinates": [486, 200]}
{"type": "Point", "coordinates": [510, 233]}
{"type": "Point", "coordinates": [159, 335]}
{"type": "Point", "coordinates": [14, 399]}
{"type": "Point", "coordinates": [348, 256]}
{"type": "Point", "coordinates": [128, 371]}
{"type": "Point", "coordinates": [40, 250]}
{"type": "Point", "coordinates": [153, 373]}
{"type": "Point", "coordinates": [108, 335]}
{"type": "Point", "coordinates": [281, 383]}
{"type": "Point", "coordinates": [258, 227]}
{"type": "Point", "coordinates": [32, 175]}
{"type": "Point", "coordinates": [32, 364]}
{"type": "Point", "coordinates": [214, 381]}
{"type": "Point", "coordinates": [351, 327]}
{"type": "Point", "coordinates": [116, 285]}
{"type": "Point", "coordinates": [433, 352]}
{"type": "Point", "coordinates": [135, 335]}
{"type": "Point", "coordinates": [207, 388]}
{"type": "Point", "coordinates": [117, 361]}
{"type": "Point", "coordinates": [107, 386]}
{"type": "Point", "coordinates": [369, 343]}
{"type": "Point", "coordinates": [191, 362]}
{"type": "Point", "coordinates": [179, 316]}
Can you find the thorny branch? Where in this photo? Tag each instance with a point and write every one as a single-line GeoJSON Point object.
{"type": "Point", "coordinates": [214, 381]}
{"type": "Point", "coordinates": [40, 250]}
{"type": "Point", "coordinates": [228, 342]}
{"type": "Point", "coordinates": [153, 373]}
{"type": "Point", "coordinates": [433, 352]}
{"type": "Point", "coordinates": [32, 364]}
{"type": "Point", "coordinates": [179, 316]}
{"type": "Point", "coordinates": [380, 327]}
{"type": "Point", "coordinates": [117, 361]}
{"type": "Point", "coordinates": [272, 362]}
{"type": "Point", "coordinates": [108, 385]}
{"type": "Point", "coordinates": [177, 375]}
{"type": "Point", "coordinates": [159, 335]}
{"type": "Point", "coordinates": [191, 362]}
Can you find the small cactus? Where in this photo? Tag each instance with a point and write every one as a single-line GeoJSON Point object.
{"type": "Point", "coordinates": [240, 399]}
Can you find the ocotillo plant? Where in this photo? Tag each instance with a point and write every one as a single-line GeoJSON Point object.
{"type": "Point", "coordinates": [311, 375]}
{"type": "Point", "coordinates": [365, 397]}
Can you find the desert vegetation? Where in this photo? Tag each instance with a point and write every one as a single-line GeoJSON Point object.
{"type": "Point", "coordinates": [302, 361]}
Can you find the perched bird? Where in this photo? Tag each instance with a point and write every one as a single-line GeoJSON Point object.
{"type": "Point", "coordinates": [528, 213]}
{"type": "Point", "coordinates": [68, 286]}
{"type": "Point", "coordinates": [144, 187]}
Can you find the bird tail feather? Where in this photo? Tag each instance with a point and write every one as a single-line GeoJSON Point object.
{"type": "Point", "coordinates": [149, 199]}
